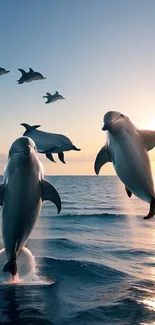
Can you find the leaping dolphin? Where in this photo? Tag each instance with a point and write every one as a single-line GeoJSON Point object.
{"type": "Point", "coordinates": [48, 143]}
{"type": "Point", "coordinates": [53, 98]}
{"type": "Point", "coordinates": [126, 148]}
{"type": "Point", "coordinates": [3, 71]}
{"type": "Point", "coordinates": [29, 76]}
{"type": "Point", "coordinates": [21, 195]}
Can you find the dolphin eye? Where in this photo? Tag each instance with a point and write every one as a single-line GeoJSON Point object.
{"type": "Point", "coordinates": [122, 115]}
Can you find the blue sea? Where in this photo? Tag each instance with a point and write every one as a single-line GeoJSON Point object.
{"type": "Point", "coordinates": [95, 261]}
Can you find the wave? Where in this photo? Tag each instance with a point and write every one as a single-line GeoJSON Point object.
{"type": "Point", "coordinates": [63, 243]}
{"type": "Point", "coordinates": [78, 268]}
{"type": "Point", "coordinates": [93, 215]}
{"type": "Point", "coordinates": [132, 253]}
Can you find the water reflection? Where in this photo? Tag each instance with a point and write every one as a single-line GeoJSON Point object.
{"type": "Point", "coordinates": [27, 305]}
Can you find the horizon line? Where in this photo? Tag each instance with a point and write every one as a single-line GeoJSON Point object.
{"type": "Point", "coordinates": [77, 175]}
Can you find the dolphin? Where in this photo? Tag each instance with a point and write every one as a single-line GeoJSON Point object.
{"type": "Point", "coordinates": [29, 76]}
{"type": "Point", "coordinates": [21, 195]}
{"type": "Point", "coordinates": [3, 71]}
{"type": "Point", "coordinates": [53, 98]}
{"type": "Point", "coordinates": [48, 143]}
{"type": "Point", "coordinates": [127, 148]}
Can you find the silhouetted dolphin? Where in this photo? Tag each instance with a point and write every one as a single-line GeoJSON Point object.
{"type": "Point", "coordinates": [3, 71]}
{"type": "Point", "coordinates": [53, 98]}
{"type": "Point", "coordinates": [126, 148]}
{"type": "Point", "coordinates": [48, 143]}
{"type": "Point", "coordinates": [29, 76]}
{"type": "Point", "coordinates": [21, 195]}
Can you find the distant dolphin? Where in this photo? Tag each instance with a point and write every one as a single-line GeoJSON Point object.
{"type": "Point", "coordinates": [29, 76]}
{"type": "Point", "coordinates": [21, 195]}
{"type": "Point", "coordinates": [126, 148]}
{"type": "Point", "coordinates": [53, 98]}
{"type": "Point", "coordinates": [3, 71]}
{"type": "Point", "coordinates": [48, 143]}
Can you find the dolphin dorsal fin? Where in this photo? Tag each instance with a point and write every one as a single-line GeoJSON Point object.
{"type": "Point", "coordinates": [148, 138]}
{"type": "Point", "coordinates": [31, 70]}
{"type": "Point", "coordinates": [101, 159]}
{"type": "Point", "coordinates": [29, 128]}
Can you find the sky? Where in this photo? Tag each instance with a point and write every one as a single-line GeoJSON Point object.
{"type": "Point", "coordinates": [99, 54]}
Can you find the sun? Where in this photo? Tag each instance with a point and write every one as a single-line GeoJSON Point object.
{"type": "Point", "coordinates": [150, 125]}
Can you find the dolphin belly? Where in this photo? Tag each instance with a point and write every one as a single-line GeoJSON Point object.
{"type": "Point", "coordinates": [135, 175]}
{"type": "Point", "coordinates": [21, 208]}
{"type": "Point", "coordinates": [62, 147]}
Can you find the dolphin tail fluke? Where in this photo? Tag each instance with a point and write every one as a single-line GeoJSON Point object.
{"type": "Point", "coordinates": [11, 267]}
{"type": "Point", "coordinates": [29, 127]}
{"type": "Point", "coordinates": [23, 72]}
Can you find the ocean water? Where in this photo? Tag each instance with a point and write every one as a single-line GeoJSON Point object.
{"type": "Point", "coordinates": [95, 261]}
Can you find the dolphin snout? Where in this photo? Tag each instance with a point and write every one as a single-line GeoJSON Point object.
{"type": "Point", "coordinates": [24, 151]}
{"type": "Point", "coordinates": [106, 126]}
{"type": "Point", "coordinates": [27, 150]}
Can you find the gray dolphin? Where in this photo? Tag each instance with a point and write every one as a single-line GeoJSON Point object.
{"type": "Point", "coordinates": [21, 195]}
{"type": "Point", "coordinates": [126, 148]}
{"type": "Point", "coordinates": [48, 143]}
{"type": "Point", "coordinates": [3, 71]}
{"type": "Point", "coordinates": [29, 76]}
{"type": "Point", "coordinates": [53, 98]}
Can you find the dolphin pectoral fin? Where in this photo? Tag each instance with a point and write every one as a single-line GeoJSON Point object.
{"type": "Point", "coordinates": [49, 193]}
{"type": "Point", "coordinates": [101, 159]}
{"type": "Point", "coordinates": [152, 210]}
{"type": "Point", "coordinates": [61, 157]}
{"type": "Point", "coordinates": [129, 193]}
{"type": "Point", "coordinates": [20, 82]}
{"type": "Point", "coordinates": [148, 138]}
{"type": "Point", "coordinates": [1, 193]}
{"type": "Point", "coordinates": [50, 157]}
{"type": "Point", "coordinates": [11, 267]}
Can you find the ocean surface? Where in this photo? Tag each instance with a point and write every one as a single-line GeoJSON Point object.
{"type": "Point", "coordinates": [95, 261]}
